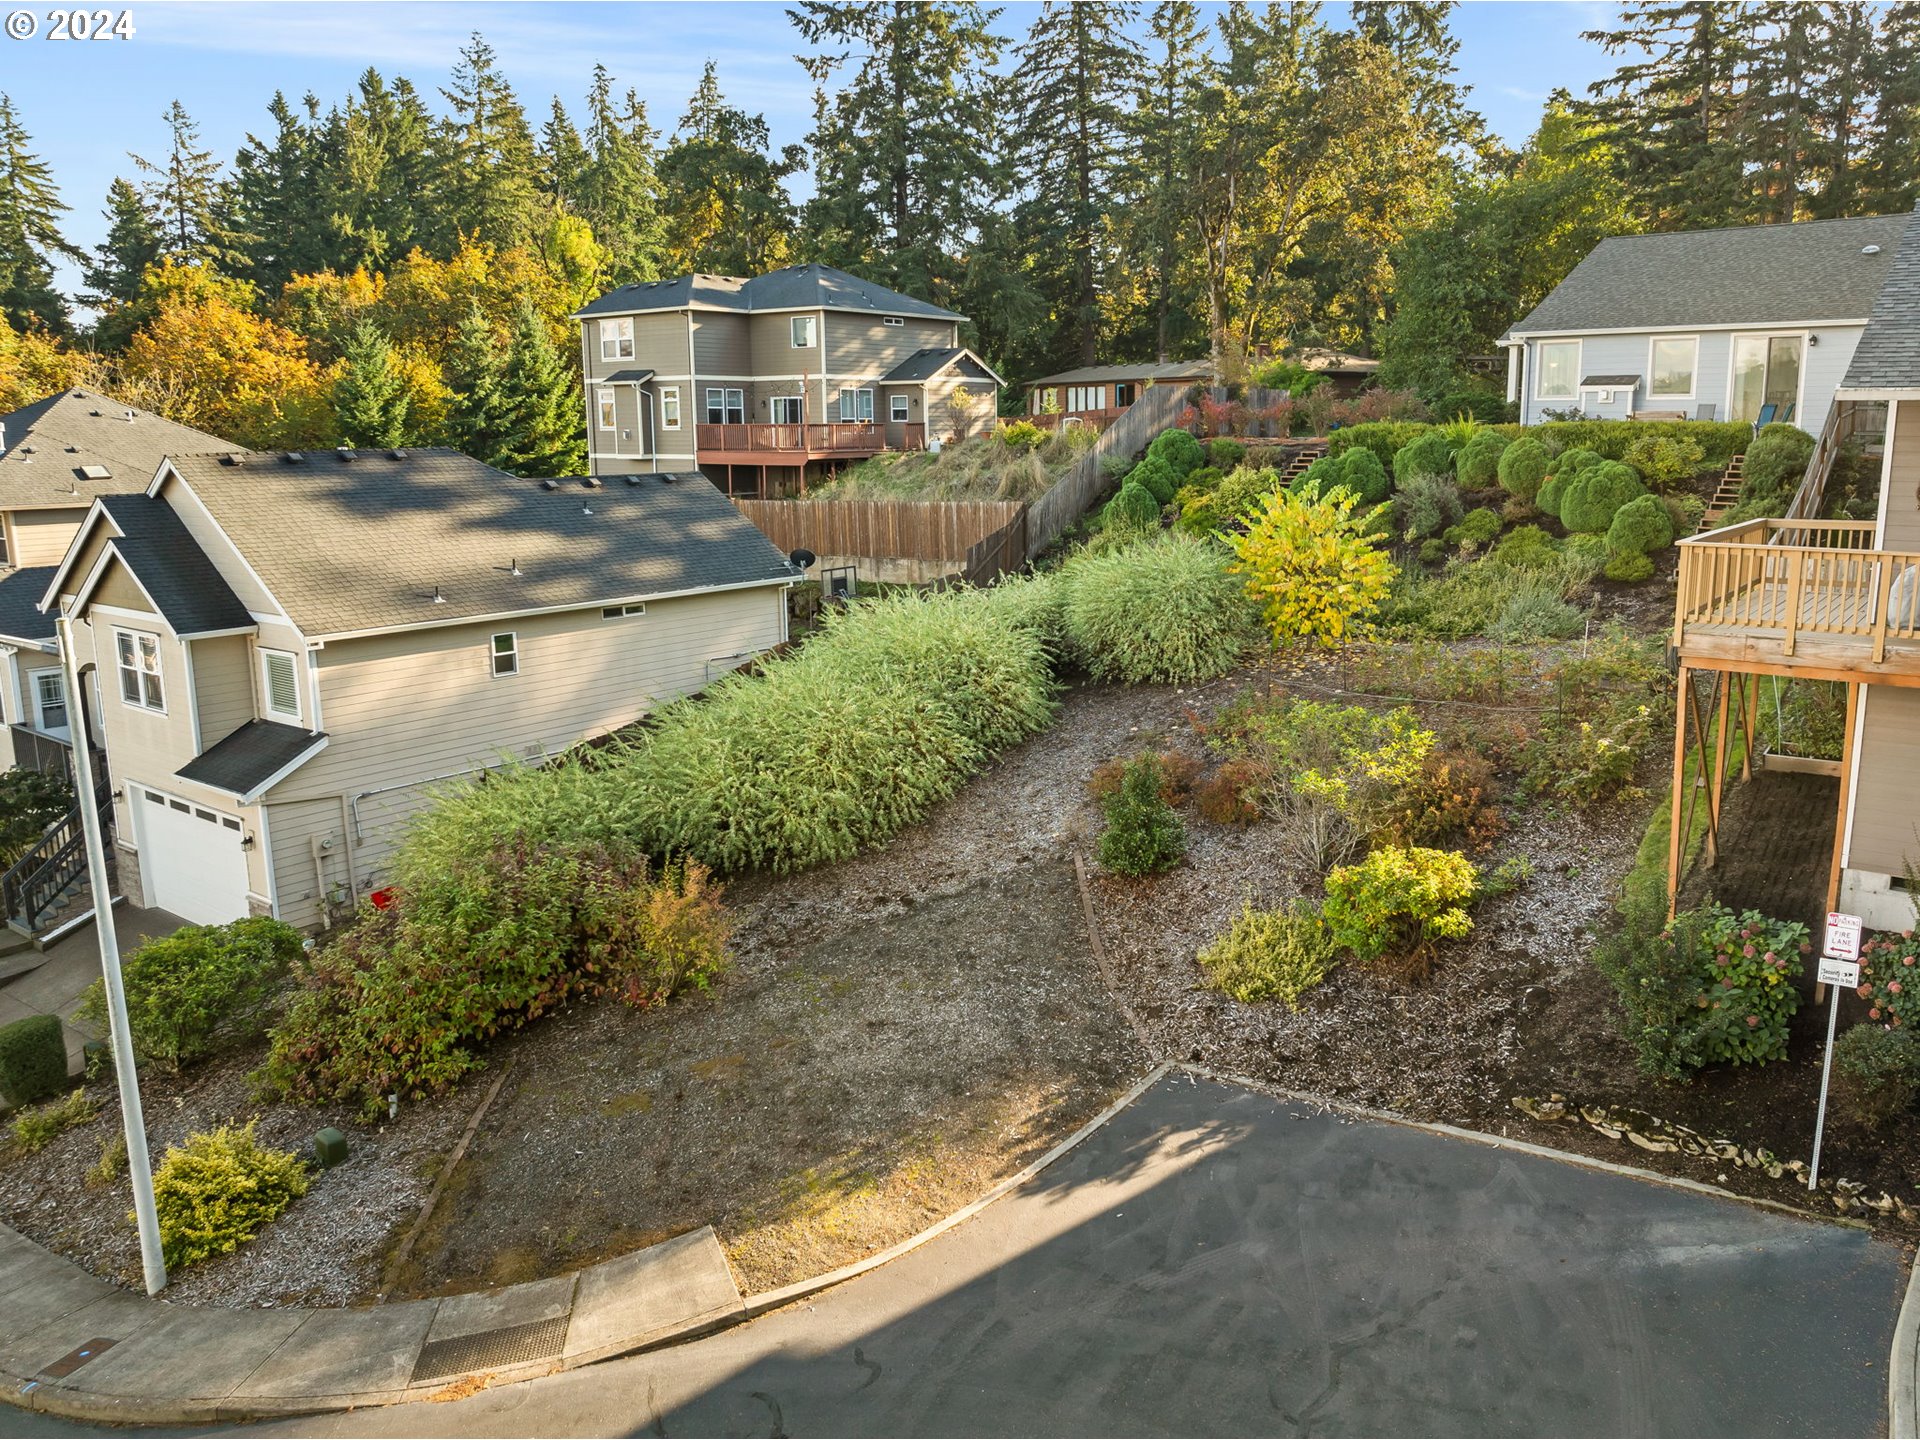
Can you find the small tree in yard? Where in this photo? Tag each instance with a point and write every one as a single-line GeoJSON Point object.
{"type": "Point", "coordinates": [1316, 571]}
{"type": "Point", "coordinates": [1143, 834]}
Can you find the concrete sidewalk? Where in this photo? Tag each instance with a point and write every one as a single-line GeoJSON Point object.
{"type": "Point", "coordinates": [78, 1347]}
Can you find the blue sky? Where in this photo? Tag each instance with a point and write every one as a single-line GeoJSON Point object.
{"type": "Point", "coordinates": [88, 104]}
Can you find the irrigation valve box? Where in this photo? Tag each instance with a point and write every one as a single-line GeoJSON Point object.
{"type": "Point", "coordinates": [329, 1148]}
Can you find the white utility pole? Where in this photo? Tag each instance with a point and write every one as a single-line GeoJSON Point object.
{"type": "Point", "coordinates": [139, 1165]}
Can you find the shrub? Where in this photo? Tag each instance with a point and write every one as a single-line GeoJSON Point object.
{"type": "Point", "coordinates": [1569, 463]}
{"type": "Point", "coordinates": [1433, 551]}
{"type": "Point", "coordinates": [1020, 435]}
{"type": "Point", "coordinates": [1320, 477]}
{"type": "Point", "coordinates": [1179, 451]}
{"type": "Point", "coordinates": [1449, 799]}
{"type": "Point", "coordinates": [1312, 567]}
{"type": "Point", "coordinates": [1478, 461]}
{"type": "Point", "coordinates": [32, 1129]}
{"type": "Point", "coordinates": [1527, 547]}
{"type": "Point", "coordinates": [1176, 776]}
{"type": "Point", "coordinates": [1532, 615]}
{"type": "Point", "coordinates": [1223, 796]}
{"type": "Point", "coordinates": [1165, 611]}
{"type": "Point", "coordinates": [1640, 527]}
{"type": "Point", "coordinates": [1629, 568]}
{"type": "Point", "coordinates": [200, 990]}
{"type": "Point", "coordinates": [1224, 454]}
{"type": "Point", "coordinates": [33, 1059]}
{"type": "Point", "coordinates": [1611, 439]}
{"type": "Point", "coordinates": [1240, 492]}
{"type": "Point", "coordinates": [1142, 834]}
{"type": "Point", "coordinates": [1664, 460]}
{"type": "Point", "coordinates": [1494, 596]}
{"type": "Point", "coordinates": [1428, 502]}
{"type": "Point", "coordinates": [1522, 466]}
{"type": "Point", "coordinates": [219, 1190]}
{"type": "Point", "coordinates": [1551, 492]}
{"type": "Point", "coordinates": [1132, 508]}
{"type": "Point", "coordinates": [1158, 478]}
{"type": "Point", "coordinates": [1876, 1075]}
{"type": "Point", "coordinates": [1397, 903]}
{"type": "Point", "coordinates": [647, 943]}
{"type": "Point", "coordinates": [113, 1160]}
{"type": "Point", "coordinates": [1477, 528]}
{"type": "Point", "coordinates": [1383, 437]}
{"type": "Point", "coordinates": [1482, 406]}
{"type": "Point", "coordinates": [1203, 480]}
{"type": "Point", "coordinates": [1596, 495]}
{"type": "Point", "coordinates": [1271, 954]}
{"type": "Point", "coordinates": [1588, 760]}
{"type": "Point", "coordinates": [1684, 511]}
{"type": "Point", "coordinates": [1888, 973]}
{"type": "Point", "coordinates": [1776, 460]}
{"type": "Point", "coordinates": [30, 800]}
{"type": "Point", "coordinates": [1363, 474]}
{"type": "Point", "coordinates": [1426, 454]}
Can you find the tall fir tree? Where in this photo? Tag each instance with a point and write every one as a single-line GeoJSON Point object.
{"type": "Point", "coordinates": [724, 197]}
{"type": "Point", "coordinates": [562, 157]}
{"type": "Point", "coordinates": [1156, 213]}
{"type": "Point", "coordinates": [479, 419]}
{"type": "Point", "coordinates": [1418, 36]}
{"type": "Point", "coordinates": [1847, 59]}
{"type": "Point", "coordinates": [370, 395]}
{"type": "Point", "coordinates": [380, 174]}
{"type": "Point", "coordinates": [273, 206]}
{"type": "Point", "coordinates": [182, 192]}
{"type": "Point", "coordinates": [1889, 177]}
{"type": "Point", "coordinates": [546, 431]}
{"type": "Point", "coordinates": [30, 236]}
{"type": "Point", "coordinates": [488, 174]}
{"type": "Point", "coordinates": [119, 262]}
{"type": "Point", "coordinates": [619, 188]}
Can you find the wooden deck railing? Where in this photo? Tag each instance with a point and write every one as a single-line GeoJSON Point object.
{"type": "Point", "coordinates": [837, 438]}
{"type": "Point", "coordinates": [1790, 579]}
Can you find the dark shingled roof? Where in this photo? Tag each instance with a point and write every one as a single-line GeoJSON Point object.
{"type": "Point", "coordinates": [925, 364]}
{"type": "Point", "coordinates": [1888, 355]}
{"type": "Point", "coordinates": [1745, 275]}
{"type": "Point", "coordinates": [364, 545]}
{"type": "Point", "coordinates": [21, 592]}
{"type": "Point", "coordinates": [1610, 382]}
{"type": "Point", "coordinates": [1149, 370]}
{"type": "Point", "coordinates": [798, 287]}
{"type": "Point", "coordinates": [48, 443]}
{"type": "Point", "coordinates": [172, 568]}
{"type": "Point", "coordinates": [625, 377]}
{"type": "Point", "coordinates": [251, 756]}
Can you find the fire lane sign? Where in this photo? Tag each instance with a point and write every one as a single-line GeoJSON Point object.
{"type": "Point", "coordinates": [1843, 937]}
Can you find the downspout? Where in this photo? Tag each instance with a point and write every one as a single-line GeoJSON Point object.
{"type": "Point", "coordinates": [652, 427]}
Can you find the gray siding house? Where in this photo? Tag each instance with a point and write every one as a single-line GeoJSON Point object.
{"type": "Point", "coordinates": [1752, 323]}
{"type": "Point", "coordinates": [756, 380]}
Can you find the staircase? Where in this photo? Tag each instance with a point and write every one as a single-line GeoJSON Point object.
{"type": "Point", "coordinates": [47, 890]}
{"type": "Point", "coordinates": [1298, 462]}
{"type": "Point", "coordinates": [1727, 496]}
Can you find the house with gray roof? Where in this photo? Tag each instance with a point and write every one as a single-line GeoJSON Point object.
{"type": "Point", "coordinates": [1755, 323]}
{"type": "Point", "coordinates": [289, 653]}
{"type": "Point", "coordinates": [758, 381]}
{"type": "Point", "coordinates": [1098, 395]}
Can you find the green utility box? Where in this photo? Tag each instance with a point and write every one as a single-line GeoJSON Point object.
{"type": "Point", "coordinates": [330, 1148]}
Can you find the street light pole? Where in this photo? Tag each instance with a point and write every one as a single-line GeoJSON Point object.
{"type": "Point", "coordinates": [139, 1165]}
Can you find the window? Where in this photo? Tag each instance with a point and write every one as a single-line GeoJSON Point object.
{"type": "Point", "coordinates": [506, 654]}
{"type": "Point", "coordinates": [891, 320]}
{"type": "Point", "coordinates": [606, 409]}
{"type": "Point", "coordinates": [280, 684]}
{"type": "Point", "coordinates": [623, 612]}
{"type": "Point", "coordinates": [670, 407]}
{"type": "Point", "coordinates": [139, 664]}
{"type": "Point", "coordinates": [1766, 371]}
{"type": "Point", "coordinates": [726, 407]}
{"type": "Point", "coordinates": [1558, 376]}
{"type": "Point", "coordinates": [1670, 368]}
{"type": "Point", "coordinates": [1086, 397]}
{"type": "Point", "coordinates": [1123, 395]}
{"type": "Point", "coordinates": [50, 699]}
{"type": "Point", "coordinates": [616, 339]}
{"type": "Point", "coordinates": [786, 409]}
{"type": "Point", "coordinates": [800, 332]}
{"type": "Point", "coordinates": [856, 405]}
{"type": "Point", "coordinates": [898, 407]}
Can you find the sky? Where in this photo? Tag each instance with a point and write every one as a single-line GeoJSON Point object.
{"type": "Point", "coordinates": [87, 103]}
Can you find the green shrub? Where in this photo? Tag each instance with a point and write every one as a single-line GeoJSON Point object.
{"type": "Point", "coordinates": [1271, 954]}
{"type": "Point", "coordinates": [1395, 904]}
{"type": "Point", "coordinates": [1665, 460]}
{"type": "Point", "coordinates": [200, 990]}
{"type": "Point", "coordinates": [1020, 435]}
{"type": "Point", "coordinates": [1142, 834]}
{"type": "Point", "coordinates": [1629, 568]}
{"type": "Point", "coordinates": [1363, 474]}
{"type": "Point", "coordinates": [1206, 478]}
{"type": "Point", "coordinates": [1522, 467]}
{"type": "Point", "coordinates": [1225, 455]}
{"type": "Point", "coordinates": [647, 943]}
{"type": "Point", "coordinates": [1433, 551]}
{"type": "Point", "coordinates": [1611, 439]}
{"type": "Point", "coordinates": [1384, 438]}
{"type": "Point", "coordinates": [1684, 510]}
{"type": "Point", "coordinates": [1036, 604]}
{"type": "Point", "coordinates": [112, 1161]}
{"type": "Point", "coordinates": [1887, 975]}
{"type": "Point", "coordinates": [1640, 527]}
{"type": "Point", "coordinates": [33, 1059]}
{"type": "Point", "coordinates": [1321, 476]}
{"type": "Point", "coordinates": [1552, 491]}
{"type": "Point", "coordinates": [1805, 717]}
{"type": "Point", "coordinates": [1482, 406]}
{"type": "Point", "coordinates": [1165, 611]}
{"type": "Point", "coordinates": [1132, 508]}
{"type": "Point", "coordinates": [30, 800]}
{"type": "Point", "coordinates": [32, 1129]}
{"type": "Point", "coordinates": [1876, 1075]}
{"type": "Point", "coordinates": [1426, 454]}
{"type": "Point", "coordinates": [1569, 463]}
{"type": "Point", "coordinates": [1477, 529]}
{"type": "Point", "coordinates": [1776, 461]}
{"type": "Point", "coordinates": [1478, 462]}
{"type": "Point", "coordinates": [1492, 596]}
{"type": "Point", "coordinates": [1532, 615]}
{"type": "Point", "coordinates": [1427, 503]}
{"type": "Point", "coordinates": [1241, 492]}
{"type": "Point", "coordinates": [1179, 451]}
{"type": "Point", "coordinates": [1596, 495]}
{"type": "Point", "coordinates": [1527, 547]}
{"type": "Point", "coordinates": [221, 1189]}
{"type": "Point", "coordinates": [1156, 477]}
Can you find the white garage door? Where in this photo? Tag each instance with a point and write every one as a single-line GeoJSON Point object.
{"type": "Point", "coordinates": [191, 862]}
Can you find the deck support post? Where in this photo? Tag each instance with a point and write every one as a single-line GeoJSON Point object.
{"type": "Point", "coordinates": [1846, 794]}
{"type": "Point", "coordinates": [1750, 685]}
{"type": "Point", "coordinates": [1676, 839]}
{"type": "Point", "coordinates": [1723, 683]}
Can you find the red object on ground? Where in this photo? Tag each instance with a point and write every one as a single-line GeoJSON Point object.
{"type": "Point", "coordinates": [382, 899]}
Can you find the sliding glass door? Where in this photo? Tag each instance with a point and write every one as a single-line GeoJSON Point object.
{"type": "Point", "coordinates": [1766, 371]}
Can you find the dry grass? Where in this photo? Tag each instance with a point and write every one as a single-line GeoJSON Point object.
{"type": "Point", "coordinates": [983, 468]}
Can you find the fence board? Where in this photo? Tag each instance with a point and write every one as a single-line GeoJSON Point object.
{"type": "Point", "coordinates": [943, 530]}
{"type": "Point", "coordinates": [1074, 492]}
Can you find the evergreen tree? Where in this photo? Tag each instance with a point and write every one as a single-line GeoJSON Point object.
{"type": "Point", "coordinates": [1890, 162]}
{"type": "Point", "coordinates": [519, 410]}
{"type": "Point", "coordinates": [30, 236]}
{"type": "Point", "coordinates": [619, 191]}
{"type": "Point", "coordinates": [379, 174]}
{"type": "Point", "coordinates": [1774, 121]}
{"type": "Point", "coordinates": [274, 207]}
{"type": "Point", "coordinates": [725, 200]}
{"type": "Point", "coordinates": [563, 157]}
{"type": "Point", "coordinates": [1846, 56]}
{"type": "Point", "coordinates": [1156, 211]}
{"type": "Point", "coordinates": [120, 261]}
{"type": "Point", "coordinates": [488, 176]}
{"type": "Point", "coordinates": [183, 195]}
{"type": "Point", "coordinates": [370, 396]}
{"type": "Point", "coordinates": [1417, 36]}
{"type": "Point", "coordinates": [479, 419]}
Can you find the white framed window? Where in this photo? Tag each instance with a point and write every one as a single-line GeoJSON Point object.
{"type": "Point", "coordinates": [1671, 364]}
{"type": "Point", "coordinates": [280, 684]}
{"type": "Point", "coordinates": [800, 332]}
{"type": "Point", "coordinates": [1556, 370]}
{"type": "Point", "coordinates": [670, 407]}
{"type": "Point", "coordinates": [616, 338]}
{"type": "Point", "coordinates": [137, 655]}
{"type": "Point", "coordinates": [504, 654]}
{"type": "Point", "coordinates": [624, 612]}
{"type": "Point", "coordinates": [898, 407]}
{"type": "Point", "coordinates": [786, 409]}
{"type": "Point", "coordinates": [50, 701]}
{"type": "Point", "coordinates": [891, 320]}
{"type": "Point", "coordinates": [856, 404]}
{"type": "Point", "coordinates": [726, 407]}
{"type": "Point", "coordinates": [606, 409]}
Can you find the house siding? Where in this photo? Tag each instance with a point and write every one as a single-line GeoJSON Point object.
{"type": "Point", "coordinates": [405, 712]}
{"type": "Point", "coordinates": [223, 691]}
{"type": "Point", "coordinates": [1883, 839]}
{"type": "Point", "coordinates": [864, 346]}
{"type": "Point", "coordinates": [721, 345]}
{"type": "Point", "coordinates": [1900, 529]}
{"type": "Point", "coordinates": [41, 537]}
{"type": "Point", "coordinates": [659, 345]}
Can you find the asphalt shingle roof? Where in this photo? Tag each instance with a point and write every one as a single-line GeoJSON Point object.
{"type": "Point", "coordinates": [1744, 275]}
{"type": "Point", "coordinates": [49, 443]}
{"type": "Point", "coordinates": [1100, 374]}
{"type": "Point", "coordinates": [1888, 355]}
{"type": "Point", "coordinates": [797, 287]}
{"type": "Point", "coordinates": [250, 756]}
{"type": "Point", "coordinates": [925, 364]}
{"type": "Point", "coordinates": [20, 594]}
{"type": "Point", "coordinates": [172, 568]}
{"type": "Point", "coordinates": [365, 545]}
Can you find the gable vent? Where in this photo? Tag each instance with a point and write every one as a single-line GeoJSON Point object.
{"type": "Point", "coordinates": [283, 693]}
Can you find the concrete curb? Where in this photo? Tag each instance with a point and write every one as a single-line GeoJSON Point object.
{"type": "Point", "coordinates": [1903, 1417]}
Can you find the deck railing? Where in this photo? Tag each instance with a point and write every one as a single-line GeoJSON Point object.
{"type": "Point", "coordinates": [836, 438]}
{"type": "Point", "coordinates": [1789, 579]}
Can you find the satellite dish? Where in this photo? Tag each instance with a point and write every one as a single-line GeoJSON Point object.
{"type": "Point", "coordinates": [802, 559]}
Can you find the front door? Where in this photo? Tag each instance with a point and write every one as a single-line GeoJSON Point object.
{"type": "Point", "coordinates": [1766, 371]}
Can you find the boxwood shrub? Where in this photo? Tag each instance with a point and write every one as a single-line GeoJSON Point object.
{"type": "Point", "coordinates": [1157, 477]}
{"type": "Point", "coordinates": [1596, 494]}
{"type": "Point", "coordinates": [219, 1190]}
{"type": "Point", "coordinates": [1478, 463]}
{"type": "Point", "coordinates": [1132, 507]}
{"type": "Point", "coordinates": [1426, 454]}
{"type": "Point", "coordinates": [1383, 437]}
{"type": "Point", "coordinates": [1640, 527]}
{"type": "Point", "coordinates": [33, 1059]}
{"type": "Point", "coordinates": [1522, 467]}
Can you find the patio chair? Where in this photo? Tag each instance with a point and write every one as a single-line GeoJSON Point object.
{"type": "Point", "coordinates": [1705, 412]}
{"type": "Point", "coordinates": [1767, 412]}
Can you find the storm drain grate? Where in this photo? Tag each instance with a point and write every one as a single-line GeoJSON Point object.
{"type": "Point", "coordinates": [509, 1345]}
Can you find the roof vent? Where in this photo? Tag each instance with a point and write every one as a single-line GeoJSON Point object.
{"type": "Point", "coordinates": [588, 482]}
{"type": "Point", "coordinates": [294, 457]}
{"type": "Point", "coordinates": [635, 479]}
{"type": "Point", "coordinates": [666, 479]}
{"type": "Point", "coordinates": [229, 459]}
{"type": "Point", "coordinates": [73, 449]}
{"type": "Point", "coordinates": [438, 598]}
{"type": "Point", "coordinates": [586, 509]}
{"type": "Point", "coordinates": [95, 472]}
{"type": "Point", "coordinates": [549, 484]}
{"type": "Point", "coordinates": [396, 454]}
{"type": "Point", "coordinates": [346, 455]}
{"type": "Point", "coordinates": [93, 412]}
{"type": "Point", "coordinates": [130, 416]}
{"type": "Point", "coordinates": [1869, 249]}
{"type": "Point", "coordinates": [513, 567]}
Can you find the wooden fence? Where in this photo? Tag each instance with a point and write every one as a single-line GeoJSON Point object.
{"type": "Point", "coordinates": [946, 530]}
{"type": "Point", "coordinates": [1074, 492]}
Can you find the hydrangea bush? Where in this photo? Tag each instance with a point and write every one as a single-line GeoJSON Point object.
{"type": "Point", "coordinates": [1890, 978]}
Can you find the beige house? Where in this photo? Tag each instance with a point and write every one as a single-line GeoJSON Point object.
{"type": "Point", "coordinates": [57, 456]}
{"type": "Point", "coordinates": [758, 381]}
{"type": "Point", "coordinates": [289, 652]}
{"type": "Point", "coordinates": [1098, 395]}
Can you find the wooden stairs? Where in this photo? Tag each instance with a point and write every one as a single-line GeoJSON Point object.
{"type": "Point", "coordinates": [1727, 496]}
{"type": "Point", "coordinates": [1298, 462]}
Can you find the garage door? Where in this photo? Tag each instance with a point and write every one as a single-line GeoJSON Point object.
{"type": "Point", "coordinates": [191, 862]}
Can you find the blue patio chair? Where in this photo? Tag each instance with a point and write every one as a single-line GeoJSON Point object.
{"type": "Point", "coordinates": [1767, 412]}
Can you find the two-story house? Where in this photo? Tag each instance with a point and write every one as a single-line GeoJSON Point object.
{"type": "Point", "coordinates": [756, 381]}
{"type": "Point", "coordinates": [56, 456]}
{"type": "Point", "coordinates": [288, 653]}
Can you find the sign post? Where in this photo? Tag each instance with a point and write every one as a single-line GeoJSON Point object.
{"type": "Point", "coordinates": [1839, 970]}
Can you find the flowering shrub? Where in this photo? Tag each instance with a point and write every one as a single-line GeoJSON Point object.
{"type": "Point", "coordinates": [1312, 565]}
{"type": "Point", "coordinates": [1890, 978]}
{"type": "Point", "coordinates": [1394, 905]}
{"type": "Point", "coordinates": [1876, 1074]}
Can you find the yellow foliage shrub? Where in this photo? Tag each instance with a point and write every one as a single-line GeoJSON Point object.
{"type": "Point", "coordinates": [1313, 566]}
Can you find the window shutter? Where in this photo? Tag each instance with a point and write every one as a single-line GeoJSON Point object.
{"type": "Point", "coordinates": [283, 693]}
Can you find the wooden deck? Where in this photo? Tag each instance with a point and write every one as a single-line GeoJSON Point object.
{"type": "Point", "coordinates": [762, 444]}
